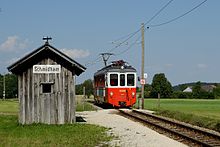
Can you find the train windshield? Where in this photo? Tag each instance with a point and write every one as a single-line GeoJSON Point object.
{"type": "Point", "coordinates": [130, 79]}
{"type": "Point", "coordinates": [114, 79]}
{"type": "Point", "coordinates": [122, 79]}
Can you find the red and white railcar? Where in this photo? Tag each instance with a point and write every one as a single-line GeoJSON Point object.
{"type": "Point", "coordinates": [116, 85]}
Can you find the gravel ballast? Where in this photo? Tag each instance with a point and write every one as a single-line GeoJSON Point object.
{"type": "Point", "coordinates": [128, 132]}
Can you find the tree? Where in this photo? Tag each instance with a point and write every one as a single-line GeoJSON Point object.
{"type": "Point", "coordinates": [197, 90]}
{"type": "Point", "coordinates": [79, 89]}
{"type": "Point", "coordinates": [11, 86]}
{"type": "Point", "coordinates": [161, 86]}
{"type": "Point", "coordinates": [183, 87]}
{"type": "Point", "coordinates": [1, 86]}
{"type": "Point", "coordinates": [88, 84]}
{"type": "Point", "coordinates": [216, 92]}
{"type": "Point", "coordinates": [147, 90]}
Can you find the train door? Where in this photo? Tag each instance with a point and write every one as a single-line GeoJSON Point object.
{"type": "Point", "coordinates": [99, 92]}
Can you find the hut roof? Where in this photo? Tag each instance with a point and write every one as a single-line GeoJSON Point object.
{"type": "Point", "coordinates": [44, 52]}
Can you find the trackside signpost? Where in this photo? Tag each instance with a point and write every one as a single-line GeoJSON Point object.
{"type": "Point", "coordinates": [145, 75]}
{"type": "Point", "coordinates": [142, 81]}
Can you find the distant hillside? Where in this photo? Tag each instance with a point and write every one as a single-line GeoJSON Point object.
{"type": "Point", "coordinates": [181, 87]}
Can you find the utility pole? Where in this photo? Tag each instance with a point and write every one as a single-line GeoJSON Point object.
{"type": "Point", "coordinates": [141, 100]}
{"type": "Point", "coordinates": [4, 87]}
{"type": "Point", "coordinates": [84, 97]}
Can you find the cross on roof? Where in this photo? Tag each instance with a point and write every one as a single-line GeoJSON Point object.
{"type": "Point", "coordinates": [47, 38]}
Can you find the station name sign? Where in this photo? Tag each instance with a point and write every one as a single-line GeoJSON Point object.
{"type": "Point", "coordinates": [46, 69]}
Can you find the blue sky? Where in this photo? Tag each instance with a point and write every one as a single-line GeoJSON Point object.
{"type": "Point", "coordinates": [186, 50]}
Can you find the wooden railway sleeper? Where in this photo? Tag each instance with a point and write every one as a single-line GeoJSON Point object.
{"type": "Point", "coordinates": [200, 142]}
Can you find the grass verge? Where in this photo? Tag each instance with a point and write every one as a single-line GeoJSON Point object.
{"type": "Point", "coordinates": [193, 119]}
{"type": "Point", "coordinates": [80, 135]}
{"type": "Point", "coordinates": [200, 112]}
{"type": "Point", "coordinates": [85, 107]}
{"type": "Point", "coordinates": [10, 106]}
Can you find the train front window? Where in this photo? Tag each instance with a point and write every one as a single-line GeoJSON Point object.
{"type": "Point", "coordinates": [114, 79]}
{"type": "Point", "coordinates": [122, 80]}
{"type": "Point", "coordinates": [130, 79]}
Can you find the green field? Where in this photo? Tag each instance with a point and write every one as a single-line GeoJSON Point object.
{"type": "Point", "coordinates": [200, 107]}
{"type": "Point", "coordinates": [9, 106]}
{"type": "Point", "coordinates": [78, 134]}
{"type": "Point", "coordinates": [204, 113]}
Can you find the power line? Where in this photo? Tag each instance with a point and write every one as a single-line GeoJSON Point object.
{"type": "Point", "coordinates": [169, 2]}
{"type": "Point", "coordinates": [134, 33]}
{"type": "Point", "coordinates": [129, 36]}
{"type": "Point", "coordinates": [116, 40]}
{"type": "Point", "coordinates": [176, 18]}
{"type": "Point", "coordinates": [164, 22]}
{"type": "Point", "coordinates": [135, 42]}
{"type": "Point", "coordinates": [98, 59]}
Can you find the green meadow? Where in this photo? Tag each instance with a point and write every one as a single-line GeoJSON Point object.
{"type": "Point", "coordinates": [9, 106]}
{"type": "Point", "coordinates": [78, 134]}
{"type": "Point", "coordinates": [201, 112]}
{"type": "Point", "coordinates": [200, 107]}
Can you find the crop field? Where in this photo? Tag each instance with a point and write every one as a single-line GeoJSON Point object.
{"type": "Point", "coordinates": [78, 134]}
{"type": "Point", "coordinates": [201, 112]}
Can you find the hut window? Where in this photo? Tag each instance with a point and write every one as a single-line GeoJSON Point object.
{"type": "Point", "coordinates": [46, 87]}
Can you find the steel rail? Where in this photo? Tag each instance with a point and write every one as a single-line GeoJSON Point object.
{"type": "Point", "coordinates": [203, 142]}
{"type": "Point", "coordinates": [180, 124]}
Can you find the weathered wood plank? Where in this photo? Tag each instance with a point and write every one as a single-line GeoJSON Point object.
{"type": "Point", "coordinates": [31, 98]}
{"type": "Point", "coordinates": [73, 99]}
{"type": "Point", "coordinates": [63, 110]}
{"type": "Point", "coordinates": [56, 92]}
{"type": "Point", "coordinates": [26, 97]}
{"type": "Point", "coordinates": [41, 96]}
{"type": "Point", "coordinates": [52, 98]}
{"type": "Point", "coordinates": [70, 96]}
{"type": "Point", "coordinates": [66, 102]}
{"type": "Point", "coordinates": [59, 97]}
{"type": "Point", "coordinates": [21, 99]}
{"type": "Point", "coordinates": [36, 98]}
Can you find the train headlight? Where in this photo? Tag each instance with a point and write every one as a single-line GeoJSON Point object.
{"type": "Point", "coordinates": [133, 94]}
{"type": "Point", "coordinates": [111, 94]}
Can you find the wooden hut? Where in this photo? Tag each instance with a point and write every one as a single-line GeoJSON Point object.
{"type": "Point", "coordinates": [46, 86]}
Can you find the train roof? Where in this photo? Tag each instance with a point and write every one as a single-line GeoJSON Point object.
{"type": "Point", "coordinates": [116, 66]}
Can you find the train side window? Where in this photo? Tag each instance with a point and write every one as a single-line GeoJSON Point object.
{"type": "Point", "coordinates": [122, 79]}
{"type": "Point", "coordinates": [114, 79]}
{"type": "Point", "coordinates": [130, 79]}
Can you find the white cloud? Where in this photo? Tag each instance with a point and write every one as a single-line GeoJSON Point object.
{"type": "Point", "coordinates": [13, 43]}
{"type": "Point", "coordinates": [76, 53]}
{"type": "Point", "coordinates": [202, 66]}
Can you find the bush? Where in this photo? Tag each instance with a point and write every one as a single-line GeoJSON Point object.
{"type": "Point", "coordinates": [191, 95]}
{"type": "Point", "coordinates": [184, 95]}
{"type": "Point", "coordinates": [207, 95]}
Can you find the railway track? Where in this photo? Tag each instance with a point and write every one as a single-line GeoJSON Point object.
{"type": "Point", "coordinates": [189, 135]}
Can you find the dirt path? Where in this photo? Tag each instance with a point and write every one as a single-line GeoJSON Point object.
{"type": "Point", "coordinates": [130, 133]}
